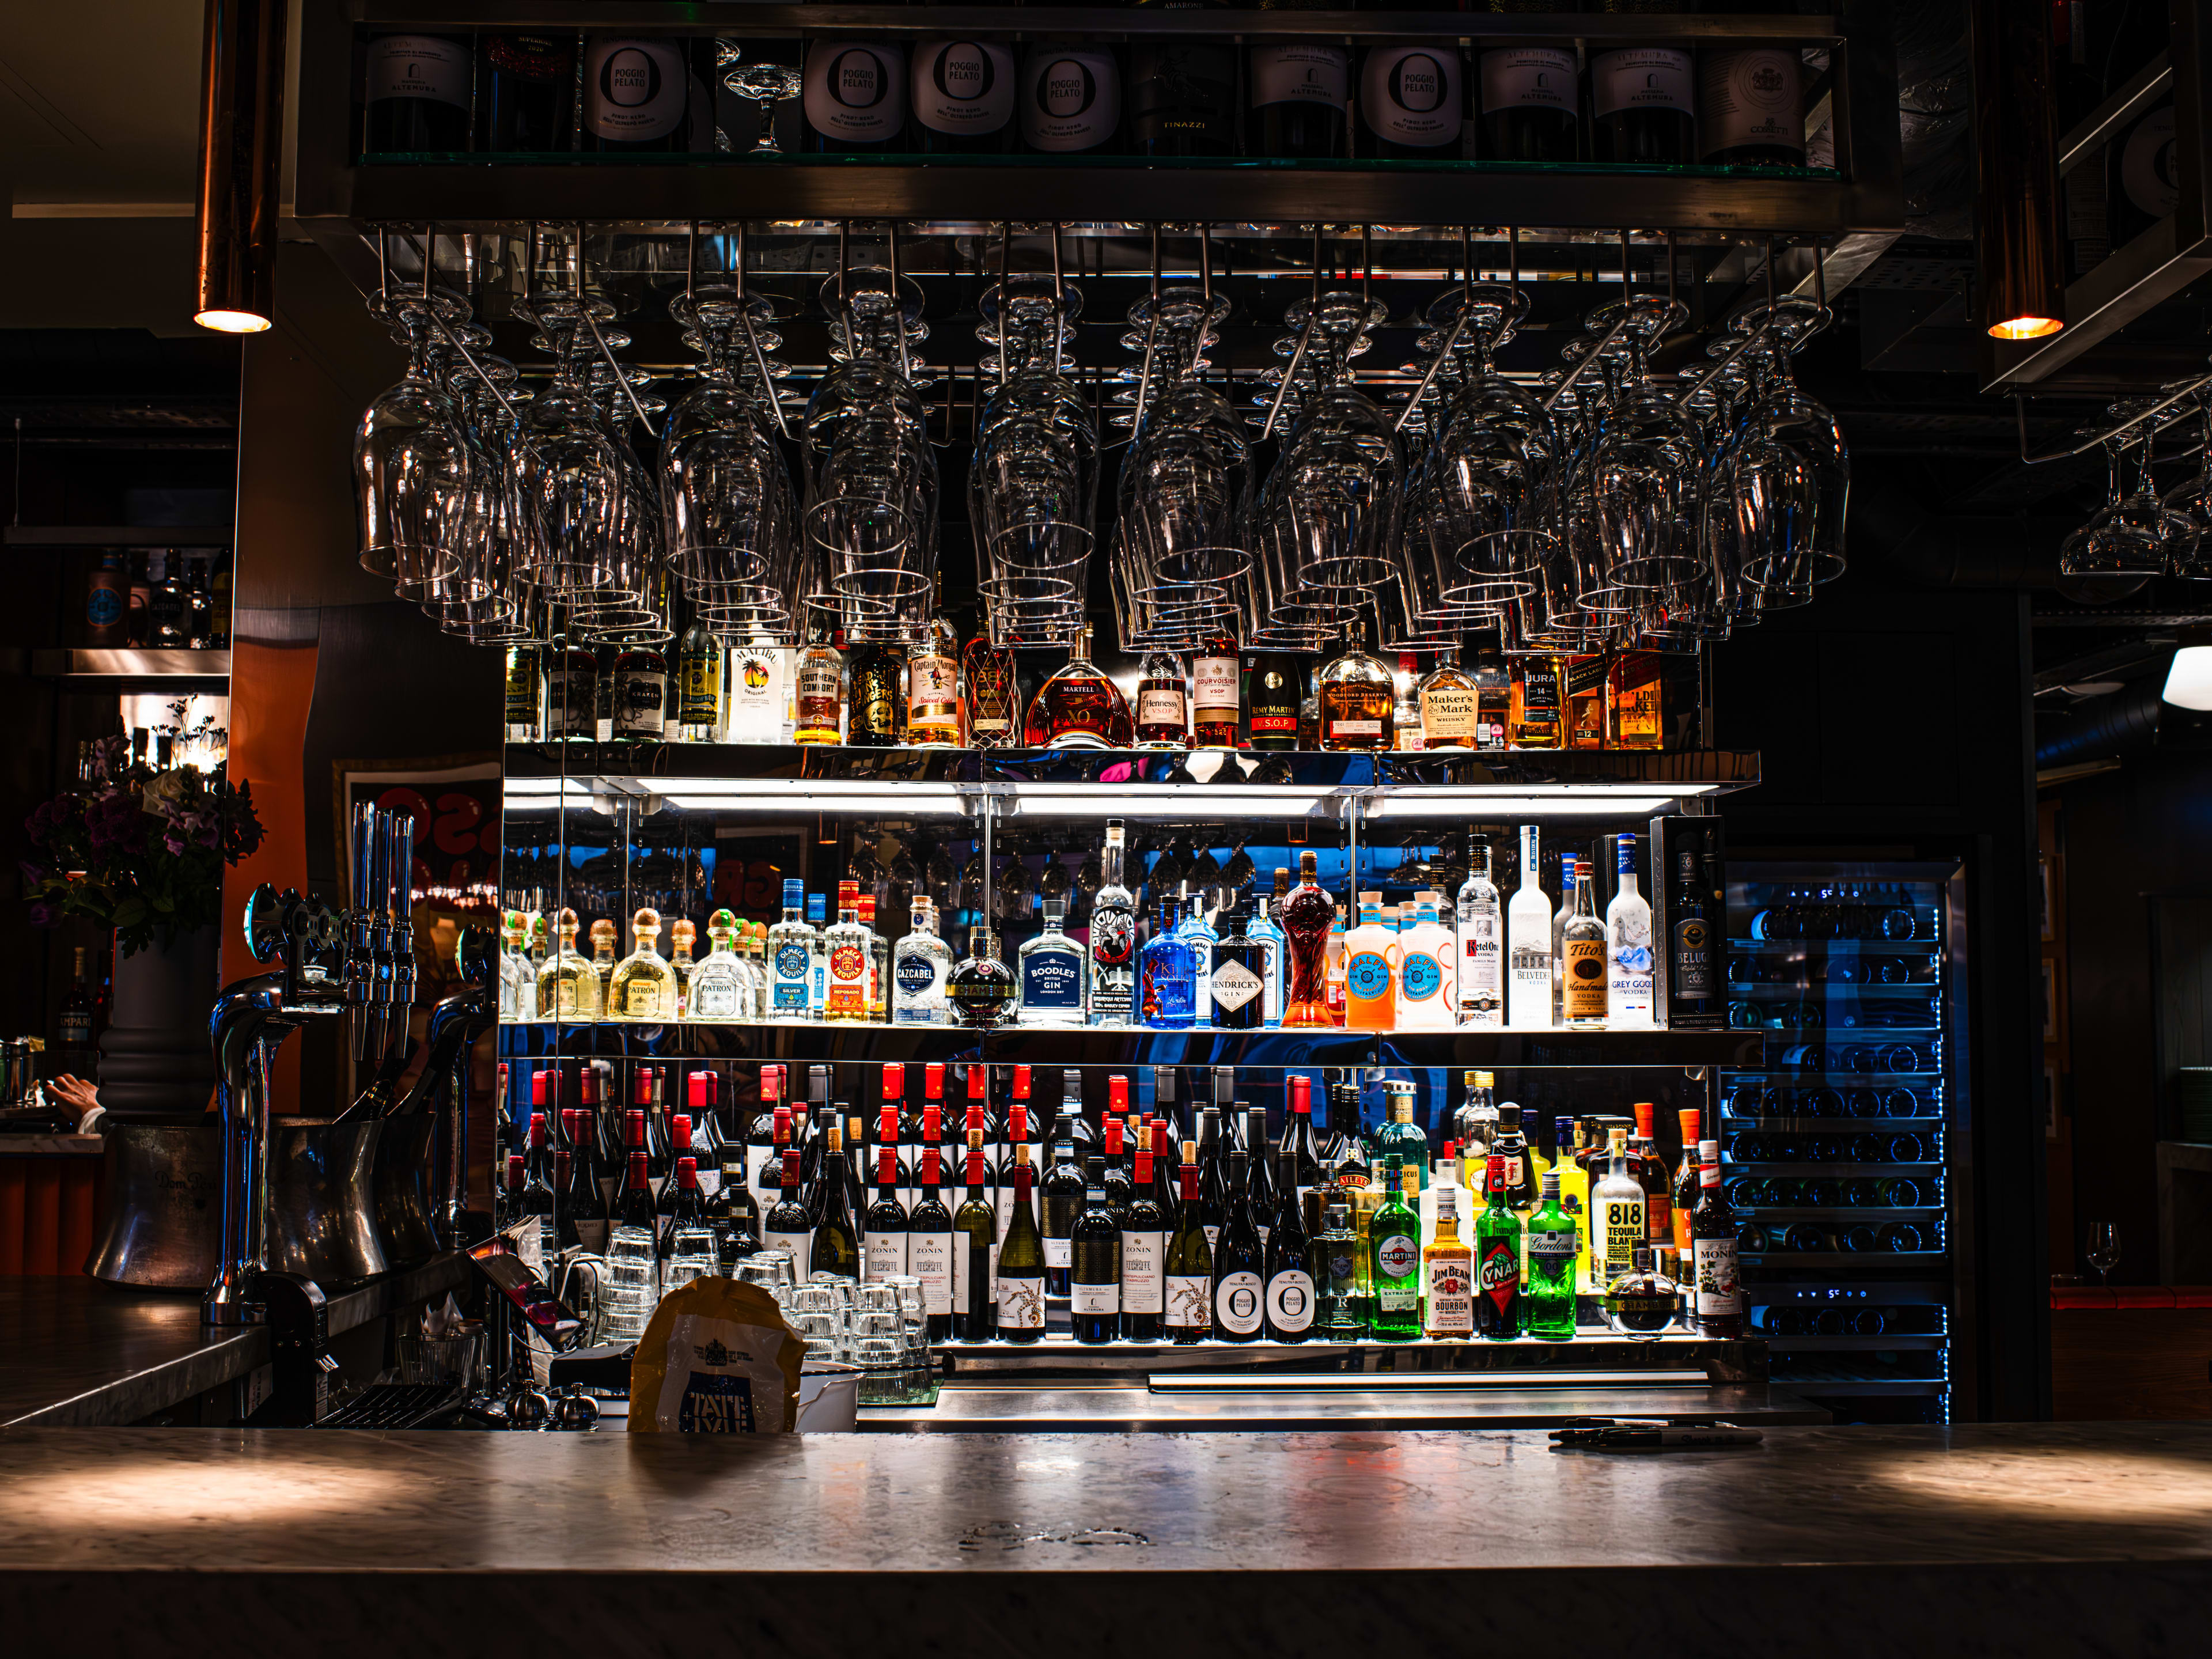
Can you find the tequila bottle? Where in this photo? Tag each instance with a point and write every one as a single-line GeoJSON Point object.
{"type": "Point", "coordinates": [720, 987]}
{"type": "Point", "coordinates": [1481, 937]}
{"type": "Point", "coordinates": [846, 943]}
{"type": "Point", "coordinates": [644, 984]}
{"type": "Point", "coordinates": [1078, 707]}
{"type": "Point", "coordinates": [791, 958]}
{"type": "Point", "coordinates": [1357, 698]}
{"type": "Point", "coordinates": [981, 986]}
{"type": "Point", "coordinates": [818, 971]}
{"type": "Point", "coordinates": [603, 958]}
{"type": "Point", "coordinates": [1582, 960]}
{"type": "Point", "coordinates": [1049, 970]}
{"type": "Point", "coordinates": [682, 935]}
{"type": "Point", "coordinates": [879, 961]}
{"type": "Point", "coordinates": [1306, 916]}
{"type": "Point", "coordinates": [568, 985]}
{"type": "Point", "coordinates": [1113, 937]}
{"type": "Point", "coordinates": [517, 984]}
{"type": "Point", "coordinates": [922, 966]}
{"type": "Point", "coordinates": [1529, 946]}
{"type": "Point", "coordinates": [1628, 947]}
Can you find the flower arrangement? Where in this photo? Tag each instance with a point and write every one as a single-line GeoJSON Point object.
{"type": "Point", "coordinates": [140, 852]}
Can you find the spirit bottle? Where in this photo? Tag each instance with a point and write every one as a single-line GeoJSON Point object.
{"type": "Point", "coordinates": [720, 985]}
{"type": "Point", "coordinates": [1498, 1236]}
{"type": "Point", "coordinates": [1274, 689]}
{"type": "Point", "coordinates": [790, 958]}
{"type": "Point", "coordinates": [1306, 914]}
{"type": "Point", "coordinates": [1406, 703]}
{"type": "Point", "coordinates": [846, 943]}
{"type": "Point", "coordinates": [757, 693]}
{"type": "Point", "coordinates": [603, 959]}
{"type": "Point", "coordinates": [932, 678]}
{"type": "Point", "coordinates": [1494, 699]}
{"type": "Point", "coordinates": [1693, 984]}
{"type": "Point", "coordinates": [1050, 970]}
{"type": "Point", "coordinates": [682, 934]}
{"type": "Point", "coordinates": [1393, 1250]}
{"type": "Point", "coordinates": [1078, 707]}
{"type": "Point", "coordinates": [819, 693]}
{"type": "Point", "coordinates": [1584, 681]}
{"type": "Point", "coordinates": [981, 987]}
{"type": "Point", "coordinates": [1398, 1136]}
{"type": "Point", "coordinates": [526, 691]}
{"type": "Point", "coordinates": [1357, 698]}
{"type": "Point", "coordinates": [1446, 697]}
{"type": "Point", "coordinates": [817, 969]}
{"type": "Point", "coordinates": [1481, 929]}
{"type": "Point", "coordinates": [518, 985]}
{"type": "Point", "coordinates": [1633, 692]}
{"type": "Point", "coordinates": [699, 704]}
{"type": "Point", "coordinates": [1428, 959]}
{"type": "Point", "coordinates": [640, 695]}
{"type": "Point", "coordinates": [1196, 930]}
{"type": "Point", "coordinates": [1163, 702]}
{"type": "Point", "coordinates": [1237, 983]}
{"type": "Point", "coordinates": [1547, 1291]}
{"type": "Point", "coordinates": [1559, 919]}
{"type": "Point", "coordinates": [1529, 946]}
{"type": "Point", "coordinates": [1168, 975]}
{"type": "Point", "coordinates": [1475, 1124]}
{"type": "Point", "coordinates": [1617, 1214]}
{"type": "Point", "coordinates": [1639, 1301]}
{"type": "Point", "coordinates": [1113, 937]}
{"type": "Point", "coordinates": [879, 960]}
{"type": "Point", "coordinates": [1719, 1295]}
{"type": "Point", "coordinates": [922, 966]}
{"type": "Point", "coordinates": [644, 984]}
{"type": "Point", "coordinates": [1532, 721]}
{"type": "Point", "coordinates": [1448, 1270]}
{"type": "Point", "coordinates": [1582, 960]}
{"type": "Point", "coordinates": [1628, 948]}
{"type": "Point", "coordinates": [875, 696]}
{"type": "Point", "coordinates": [987, 666]}
{"type": "Point", "coordinates": [1274, 948]}
{"type": "Point", "coordinates": [1370, 970]}
{"type": "Point", "coordinates": [1213, 692]}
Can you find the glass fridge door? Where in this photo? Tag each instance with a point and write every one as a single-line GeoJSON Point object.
{"type": "Point", "coordinates": [1835, 1149]}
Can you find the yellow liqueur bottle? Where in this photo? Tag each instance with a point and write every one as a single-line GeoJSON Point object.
{"type": "Point", "coordinates": [644, 984]}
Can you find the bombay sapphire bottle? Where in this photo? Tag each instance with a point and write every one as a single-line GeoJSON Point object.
{"type": "Point", "coordinates": [1168, 975]}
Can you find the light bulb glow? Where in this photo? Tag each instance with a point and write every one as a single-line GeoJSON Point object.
{"type": "Point", "coordinates": [2189, 680]}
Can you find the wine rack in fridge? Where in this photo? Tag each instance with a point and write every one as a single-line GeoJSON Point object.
{"type": "Point", "coordinates": [1837, 1146]}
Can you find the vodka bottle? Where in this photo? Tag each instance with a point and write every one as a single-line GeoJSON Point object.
{"type": "Point", "coordinates": [1481, 937]}
{"type": "Point", "coordinates": [1113, 937]}
{"type": "Point", "coordinates": [1529, 946]}
{"type": "Point", "coordinates": [1628, 948]}
{"type": "Point", "coordinates": [1582, 960]}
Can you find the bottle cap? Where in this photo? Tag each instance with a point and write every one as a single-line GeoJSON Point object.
{"type": "Point", "coordinates": [679, 1128]}
{"type": "Point", "coordinates": [687, 1172]}
{"type": "Point", "coordinates": [1117, 1093]}
{"type": "Point", "coordinates": [794, 893]}
{"type": "Point", "coordinates": [1708, 1152]}
{"type": "Point", "coordinates": [814, 906]}
{"type": "Point", "coordinates": [894, 1083]}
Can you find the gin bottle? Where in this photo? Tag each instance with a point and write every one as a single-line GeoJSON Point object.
{"type": "Point", "coordinates": [1481, 934]}
{"type": "Point", "coordinates": [1113, 937]}
{"type": "Point", "coordinates": [791, 958]}
{"type": "Point", "coordinates": [1628, 947]}
{"type": "Point", "coordinates": [921, 964]}
{"type": "Point", "coordinates": [1168, 975]}
{"type": "Point", "coordinates": [1274, 946]}
{"type": "Point", "coordinates": [1199, 933]}
{"type": "Point", "coordinates": [1049, 968]}
{"type": "Point", "coordinates": [1427, 958]}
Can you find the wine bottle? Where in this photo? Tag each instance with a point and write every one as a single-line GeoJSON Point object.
{"type": "Point", "coordinates": [1239, 1262]}
{"type": "Point", "coordinates": [525, 92]}
{"type": "Point", "coordinates": [961, 97]}
{"type": "Point", "coordinates": [1751, 102]}
{"type": "Point", "coordinates": [645, 95]}
{"type": "Point", "coordinates": [1095, 1263]}
{"type": "Point", "coordinates": [1530, 104]}
{"type": "Point", "coordinates": [886, 1220]}
{"type": "Point", "coordinates": [417, 94]}
{"type": "Point", "coordinates": [1183, 92]}
{"type": "Point", "coordinates": [1021, 1266]}
{"type": "Point", "coordinates": [1641, 107]}
{"type": "Point", "coordinates": [929, 1247]}
{"type": "Point", "coordinates": [1413, 104]}
{"type": "Point", "coordinates": [1290, 1262]}
{"type": "Point", "coordinates": [1189, 1295]}
{"type": "Point", "coordinates": [853, 100]}
{"type": "Point", "coordinates": [1061, 1202]}
{"type": "Point", "coordinates": [976, 1255]}
{"type": "Point", "coordinates": [1071, 98]}
{"type": "Point", "coordinates": [1143, 1252]}
{"type": "Point", "coordinates": [1297, 93]}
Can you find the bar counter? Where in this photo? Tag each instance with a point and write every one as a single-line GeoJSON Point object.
{"type": "Point", "coordinates": [2000, 1538]}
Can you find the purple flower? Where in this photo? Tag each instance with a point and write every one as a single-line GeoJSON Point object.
{"type": "Point", "coordinates": [44, 916]}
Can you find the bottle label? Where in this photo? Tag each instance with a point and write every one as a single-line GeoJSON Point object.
{"type": "Point", "coordinates": [817, 681]}
{"type": "Point", "coordinates": [1713, 1262]}
{"type": "Point", "coordinates": [1183, 90]}
{"type": "Point", "coordinates": [1500, 1274]}
{"type": "Point", "coordinates": [1342, 729]}
{"type": "Point", "coordinates": [1543, 76]}
{"type": "Point", "coordinates": [1367, 976]}
{"type": "Point", "coordinates": [1113, 935]}
{"type": "Point", "coordinates": [801, 1246]}
{"type": "Point", "coordinates": [1480, 963]}
{"type": "Point", "coordinates": [1156, 706]}
{"type": "Point", "coordinates": [964, 87]}
{"type": "Point", "coordinates": [793, 970]}
{"type": "Point", "coordinates": [1640, 78]}
{"type": "Point", "coordinates": [1094, 1298]}
{"type": "Point", "coordinates": [633, 90]}
{"type": "Point", "coordinates": [644, 711]}
{"type": "Point", "coordinates": [884, 1255]}
{"type": "Point", "coordinates": [1051, 981]}
{"type": "Point", "coordinates": [1290, 1301]}
{"type": "Point", "coordinates": [593, 1236]}
{"type": "Point", "coordinates": [932, 690]}
{"type": "Point", "coordinates": [1409, 96]}
{"type": "Point", "coordinates": [1239, 1304]}
{"type": "Point", "coordinates": [1448, 715]}
{"type": "Point", "coordinates": [1619, 1228]}
{"type": "Point", "coordinates": [917, 975]}
{"type": "Point", "coordinates": [1751, 96]}
{"type": "Point", "coordinates": [848, 972]}
{"type": "Point", "coordinates": [1299, 73]}
{"type": "Point", "coordinates": [1397, 1273]}
{"type": "Point", "coordinates": [1234, 985]}
{"type": "Point", "coordinates": [1582, 980]}
{"type": "Point", "coordinates": [756, 696]}
{"type": "Point", "coordinates": [1421, 976]}
{"type": "Point", "coordinates": [530, 57]}
{"type": "Point", "coordinates": [418, 66]}
{"type": "Point", "coordinates": [929, 1259]}
{"type": "Point", "coordinates": [1058, 1252]}
{"type": "Point", "coordinates": [641, 999]}
{"type": "Point", "coordinates": [1189, 1298]}
{"type": "Point", "coordinates": [1451, 1295]}
{"type": "Point", "coordinates": [714, 997]}
{"type": "Point", "coordinates": [855, 90]}
{"type": "Point", "coordinates": [699, 689]}
{"type": "Point", "coordinates": [1213, 679]}
{"type": "Point", "coordinates": [1658, 1216]}
{"type": "Point", "coordinates": [1692, 958]}
{"type": "Point", "coordinates": [1021, 1302]}
{"type": "Point", "coordinates": [1555, 1249]}
{"type": "Point", "coordinates": [1142, 1254]}
{"type": "Point", "coordinates": [963, 1274]}
{"type": "Point", "coordinates": [1071, 99]}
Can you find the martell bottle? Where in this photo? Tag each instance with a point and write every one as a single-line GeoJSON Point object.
{"type": "Point", "coordinates": [1078, 707]}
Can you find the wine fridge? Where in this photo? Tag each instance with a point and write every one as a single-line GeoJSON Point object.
{"type": "Point", "coordinates": [1838, 1147]}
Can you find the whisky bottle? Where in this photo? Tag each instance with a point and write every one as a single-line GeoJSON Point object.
{"type": "Point", "coordinates": [1078, 707]}
{"type": "Point", "coordinates": [643, 986]}
{"type": "Point", "coordinates": [1637, 717]}
{"type": "Point", "coordinates": [1406, 703]}
{"type": "Point", "coordinates": [1585, 681]}
{"type": "Point", "coordinates": [1536, 715]}
{"type": "Point", "coordinates": [1447, 699]}
{"type": "Point", "coordinates": [1357, 698]}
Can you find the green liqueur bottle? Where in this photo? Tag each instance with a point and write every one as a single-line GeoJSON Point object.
{"type": "Point", "coordinates": [1343, 1315]}
{"type": "Point", "coordinates": [1497, 1261]}
{"type": "Point", "coordinates": [1394, 1237]}
{"type": "Point", "coordinates": [1547, 1299]}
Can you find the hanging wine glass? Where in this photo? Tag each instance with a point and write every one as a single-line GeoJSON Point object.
{"type": "Point", "coordinates": [2189, 545]}
{"type": "Point", "coordinates": [410, 453]}
{"type": "Point", "coordinates": [1645, 465]}
{"type": "Point", "coordinates": [2127, 535]}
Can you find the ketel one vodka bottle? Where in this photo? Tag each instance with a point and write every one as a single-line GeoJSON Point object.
{"type": "Point", "coordinates": [1113, 937]}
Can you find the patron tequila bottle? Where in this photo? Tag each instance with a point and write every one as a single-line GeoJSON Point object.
{"type": "Point", "coordinates": [644, 984]}
{"type": "Point", "coordinates": [846, 943]}
{"type": "Point", "coordinates": [1113, 937]}
{"type": "Point", "coordinates": [1078, 707]}
{"type": "Point", "coordinates": [568, 985]}
{"type": "Point", "coordinates": [1357, 698]}
{"type": "Point", "coordinates": [1481, 935]}
{"type": "Point", "coordinates": [719, 988]}
{"type": "Point", "coordinates": [790, 958]}
{"type": "Point", "coordinates": [1050, 970]}
{"type": "Point", "coordinates": [922, 966]}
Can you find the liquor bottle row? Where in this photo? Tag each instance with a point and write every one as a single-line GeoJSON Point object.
{"type": "Point", "coordinates": [166, 599]}
{"type": "Point", "coordinates": [1136, 1230]}
{"type": "Point", "coordinates": [1293, 99]}
{"type": "Point", "coordinates": [942, 695]}
{"type": "Point", "coordinates": [1812, 1015]}
{"type": "Point", "coordinates": [1259, 961]}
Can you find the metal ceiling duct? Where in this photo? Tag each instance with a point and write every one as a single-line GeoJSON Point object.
{"type": "Point", "coordinates": [242, 153]}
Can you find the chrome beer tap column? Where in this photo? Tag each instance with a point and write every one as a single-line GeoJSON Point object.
{"type": "Point", "coordinates": [400, 865]}
{"type": "Point", "coordinates": [362, 945]}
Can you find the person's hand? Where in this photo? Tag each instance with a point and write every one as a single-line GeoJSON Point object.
{"type": "Point", "coordinates": [74, 1093]}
